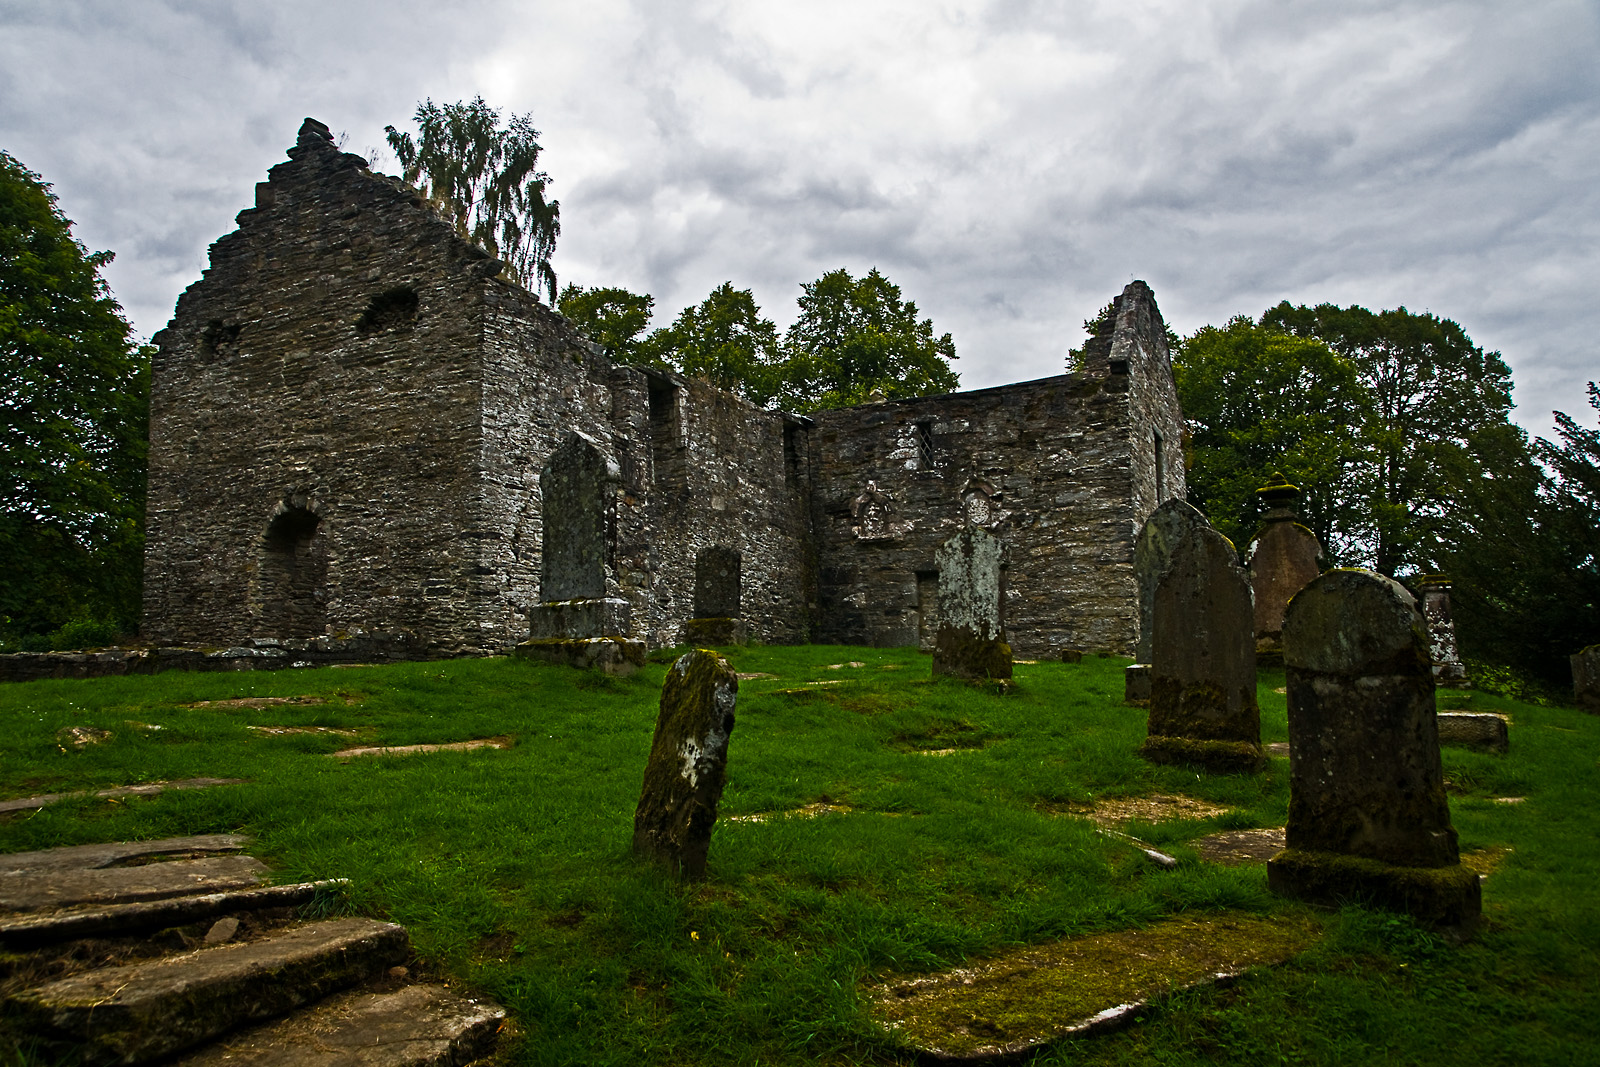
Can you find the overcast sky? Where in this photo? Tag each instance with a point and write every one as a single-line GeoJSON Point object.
{"type": "Point", "coordinates": [1011, 165]}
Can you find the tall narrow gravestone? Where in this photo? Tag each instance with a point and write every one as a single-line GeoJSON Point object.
{"type": "Point", "coordinates": [1586, 679]}
{"type": "Point", "coordinates": [1368, 818]}
{"type": "Point", "coordinates": [688, 764]}
{"type": "Point", "coordinates": [1282, 560]}
{"type": "Point", "coordinates": [1152, 556]}
{"type": "Point", "coordinates": [1203, 659]}
{"type": "Point", "coordinates": [576, 623]}
{"type": "Point", "coordinates": [971, 639]}
{"type": "Point", "coordinates": [716, 598]}
{"type": "Point", "coordinates": [1447, 665]}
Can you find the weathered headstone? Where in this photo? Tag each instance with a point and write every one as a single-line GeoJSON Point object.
{"type": "Point", "coordinates": [1203, 658]}
{"type": "Point", "coordinates": [1469, 729]}
{"type": "Point", "coordinates": [1586, 679]}
{"type": "Point", "coordinates": [716, 598]}
{"type": "Point", "coordinates": [576, 623]}
{"type": "Point", "coordinates": [1368, 817]}
{"type": "Point", "coordinates": [971, 640]}
{"type": "Point", "coordinates": [1282, 560]}
{"type": "Point", "coordinates": [688, 763]}
{"type": "Point", "coordinates": [1447, 666]}
{"type": "Point", "coordinates": [1152, 555]}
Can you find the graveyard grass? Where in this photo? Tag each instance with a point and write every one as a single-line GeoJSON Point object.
{"type": "Point", "coordinates": [952, 829]}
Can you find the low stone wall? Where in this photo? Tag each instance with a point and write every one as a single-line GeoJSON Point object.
{"type": "Point", "coordinates": [261, 654]}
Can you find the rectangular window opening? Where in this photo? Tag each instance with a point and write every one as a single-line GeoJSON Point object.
{"type": "Point", "coordinates": [925, 454]}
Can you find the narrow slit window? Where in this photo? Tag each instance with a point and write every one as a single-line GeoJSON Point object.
{"type": "Point", "coordinates": [923, 432]}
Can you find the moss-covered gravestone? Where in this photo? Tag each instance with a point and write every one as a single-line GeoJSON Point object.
{"type": "Point", "coordinates": [716, 598]}
{"type": "Point", "coordinates": [971, 642]}
{"type": "Point", "coordinates": [1368, 817]}
{"type": "Point", "coordinates": [1434, 592]}
{"type": "Point", "coordinates": [1282, 560]}
{"type": "Point", "coordinates": [1152, 556]}
{"type": "Point", "coordinates": [1586, 679]}
{"type": "Point", "coordinates": [688, 763]}
{"type": "Point", "coordinates": [576, 623]}
{"type": "Point", "coordinates": [1203, 658]}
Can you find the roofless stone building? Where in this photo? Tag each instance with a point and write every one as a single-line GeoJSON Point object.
{"type": "Point", "coordinates": [350, 411]}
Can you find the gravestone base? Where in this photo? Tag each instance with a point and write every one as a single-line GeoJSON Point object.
{"type": "Point", "coordinates": [1481, 730]}
{"type": "Point", "coordinates": [1218, 757]}
{"type": "Point", "coordinates": [1437, 896]}
{"type": "Point", "coordinates": [587, 617]}
{"type": "Point", "coordinates": [723, 631]}
{"type": "Point", "coordinates": [1136, 685]}
{"type": "Point", "coordinates": [620, 656]}
{"type": "Point", "coordinates": [960, 654]}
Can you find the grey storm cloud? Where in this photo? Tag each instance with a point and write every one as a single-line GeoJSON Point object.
{"type": "Point", "coordinates": [1010, 164]}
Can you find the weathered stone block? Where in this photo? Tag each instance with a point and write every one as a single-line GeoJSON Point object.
{"type": "Point", "coordinates": [688, 764]}
{"type": "Point", "coordinates": [1586, 679]}
{"type": "Point", "coordinates": [612, 655]}
{"type": "Point", "coordinates": [971, 639]}
{"type": "Point", "coordinates": [1203, 668]}
{"type": "Point", "coordinates": [1368, 815]}
{"type": "Point", "coordinates": [1136, 685]}
{"type": "Point", "coordinates": [717, 573]}
{"type": "Point", "coordinates": [723, 631]}
{"type": "Point", "coordinates": [1474, 730]}
{"type": "Point", "coordinates": [579, 486]}
{"type": "Point", "coordinates": [1434, 591]}
{"type": "Point", "coordinates": [1282, 559]}
{"type": "Point", "coordinates": [1072, 655]}
{"type": "Point", "coordinates": [595, 617]}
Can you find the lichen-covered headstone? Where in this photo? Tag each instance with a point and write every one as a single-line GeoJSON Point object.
{"type": "Point", "coordinates": [1368, 818]}
{"type": "Point", "coordinates": [1152, 556]}
{"type": "Point", "coordinates": [1282, 560]}
{"type": "Point", "coordinates": [1586, 679]}
{"type": "Point", "coordinates": [716, 598]}
{"type": "Point", "coordinates": [576, 623]}
{"type": "Point", "coordinates": [971, 640]}
{"type": "Point", "coordinates": [1447, 665]}
{"type": "Point", "coordinates": [1203, 658]}
{"type": "Point", "coordinates": [688, 764]}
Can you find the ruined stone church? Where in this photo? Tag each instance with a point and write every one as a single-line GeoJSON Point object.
{"type": "Point", "coordinates": [350, 411]}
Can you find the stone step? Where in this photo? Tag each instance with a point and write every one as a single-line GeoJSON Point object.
{"type": "Point", "coordinates": [141, 1012]}
{"type": "Point", "coordinates": [418, 1026]}
{"type": "Point", "coordinates": [94, 857]}
{"type": "Point", "coordinates": [32, 929]}
{"type": "Point", "coordinates": [33, 890]}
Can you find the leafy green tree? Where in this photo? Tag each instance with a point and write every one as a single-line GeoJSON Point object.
{"type": "Point", "coordinates": [725, 340]}
{"type": "Point", "coordinates": [486, 181]}
{"type": "Point", "coordinates": [856, 336]}
{"type": "Point", "coordinates": [1261, 401]}
{"type": "Point", "coordinates": [74, 408]}
{"type": "Point", "coordinates": [614, 318]}
{"type": "Point", "coordinates": [1432, 390]}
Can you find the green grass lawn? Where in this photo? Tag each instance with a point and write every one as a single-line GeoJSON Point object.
{"type": "Point", "coordinates": [955, 836]}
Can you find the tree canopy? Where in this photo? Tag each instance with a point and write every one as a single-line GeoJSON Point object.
{"type": "Point", "coordinates": [486, 181]}
{"type": "Point", "coordinates": [614, 318]}
{"type": "Point", "coordinates": [73, 423]}
{"type": "Point", "coordinates": [857, 336]}
{"type": "Point", "coordinates": [724, 339]}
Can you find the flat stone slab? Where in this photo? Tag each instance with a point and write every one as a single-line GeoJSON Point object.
{"type": "Point", "coordinates": [93, 857]}
{"type": "Point", "coordinates": [257, 702]}
{"type": "Point", "coordinates": [418, 1026]}
{"type": "Point", "coordinates": [149, 789]}
{"type": "Point", "coordinates": [144, 1011]}
{"type": "Point", "coordinates": [1235, 847]}
{"type": "Point", "coordinates": [411, 750]}
{"type": "Point", "coordinates": [1009, 1005]}
{"type": "Point", "coordinates": [1481, 730]}
{"type": "Point", "coordinates": [89, 920]}
{"type": "Point", "coordinates": [35, 890]}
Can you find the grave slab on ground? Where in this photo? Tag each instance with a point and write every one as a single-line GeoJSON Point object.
{"type": "Point", "coordinates": [1002, 1008]}
{"type": "Point", "coordinates": [1368, 816]}
{"type": "Point", "coordinates": [1468, 729]}
{"type": "Point", "coordinates": [31, 890]}
{"type": "Point", "coordinates": [148, 789]}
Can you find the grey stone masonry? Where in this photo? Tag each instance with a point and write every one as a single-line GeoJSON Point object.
{"type": "Point", "coordinates": [688, 764]}
{"type": "Point", "coordinates": [1368, 817]}
{"type": "Point", "coordinates": [1447, 666]}
{"type": "Point", "coordinates": [971, 642]}
{"type": "Point", "coordinates": [1586, 679]}
{"type": "Point", "coordinates": [352, 413]}
{"type": "Point", "coordinates": [1203, 707]}
{"type": "Point", "coordinates": [1283, 558]}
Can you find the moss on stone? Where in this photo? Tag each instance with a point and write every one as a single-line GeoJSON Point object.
{"type": "Point", "coordinates": [1219, 757]}
{"type": "Point", "coordinates": [1203, 710]}
{"type": "Point", "coordinates": [962, 654]}
{"type": "Point", "coordinates": [1438, 896]}
{"type": "Point", "coordinates": [613, 655]}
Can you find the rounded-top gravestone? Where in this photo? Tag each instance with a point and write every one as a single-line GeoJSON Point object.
{"type": "Point", "coordinates": [1282, 560]}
